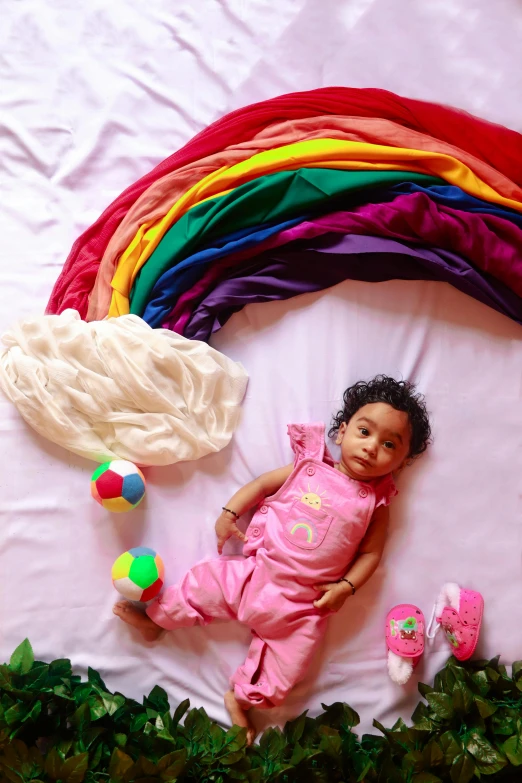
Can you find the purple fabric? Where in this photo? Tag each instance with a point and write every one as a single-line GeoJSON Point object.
{"type": "Point", "coordinates": [331, 259]}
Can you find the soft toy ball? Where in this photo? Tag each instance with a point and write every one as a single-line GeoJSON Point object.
{"type": "Point", "coordinates": [138, 574]}
{"type": "Point", "coordinates": [118, 485]}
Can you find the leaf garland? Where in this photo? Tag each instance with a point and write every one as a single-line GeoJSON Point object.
{"type": "Point", "coordinates": [54, 728]}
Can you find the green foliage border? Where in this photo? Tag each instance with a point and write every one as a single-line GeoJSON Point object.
{"type": "Point", "coordinates": [54, 728]}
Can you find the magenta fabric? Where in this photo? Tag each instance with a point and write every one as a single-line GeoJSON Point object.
{"type": "Point", "coordinates": [498, 146]}
{"type": "Point", "coordinates": [490, 242]}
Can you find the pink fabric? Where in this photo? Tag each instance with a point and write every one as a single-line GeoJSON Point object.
{"type": "Point", "coordinates": [405, 627]}
{"type": "Point", "coordinates": [305, 534]}
{"type": "Point", "coordinates": [462, 626]}
{"type": "Point", "coordinates": [492, 243]}
{"type": "Point", "coordinates": [162, 194]}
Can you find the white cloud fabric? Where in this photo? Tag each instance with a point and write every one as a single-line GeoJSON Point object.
{"type": "Point", "coordinates": [117, 388]}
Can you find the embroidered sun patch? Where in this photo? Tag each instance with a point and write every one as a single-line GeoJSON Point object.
{"type": "Point", "coordinates": [314, 499]}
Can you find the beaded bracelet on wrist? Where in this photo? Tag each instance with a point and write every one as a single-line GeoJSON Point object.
{"type": "Point", "coordinates": [230, 512]}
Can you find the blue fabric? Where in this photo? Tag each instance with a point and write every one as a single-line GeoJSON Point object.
{"type": "Point", "coordinates": [180, 278]}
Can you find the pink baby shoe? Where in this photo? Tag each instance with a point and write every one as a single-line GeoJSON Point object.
{"type": "Point", "coordinates": [459, 613]}
{"type": "Point", "coordinates": [405, 640]}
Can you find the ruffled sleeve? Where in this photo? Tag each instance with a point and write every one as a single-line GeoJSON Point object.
{"type": "Point", "coordinates": [307, 441]}
{"type": "Point", "coordinates": [385, 490]}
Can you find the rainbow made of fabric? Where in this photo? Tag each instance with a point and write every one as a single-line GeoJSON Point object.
{"type": "Point", "coordinates": [343, 184]}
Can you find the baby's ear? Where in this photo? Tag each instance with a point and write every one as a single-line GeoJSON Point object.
{"type": "Point", "coordinates": [340, 433]}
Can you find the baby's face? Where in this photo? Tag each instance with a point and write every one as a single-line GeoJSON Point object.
{"type": "Point", "coordinates": [376, 441]}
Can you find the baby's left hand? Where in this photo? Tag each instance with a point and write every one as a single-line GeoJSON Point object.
{"type": "Point", "coordinates": [335, 595]}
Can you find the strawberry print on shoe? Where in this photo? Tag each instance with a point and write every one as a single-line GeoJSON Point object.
{"type": "Point", "coordinates": [405, 641]}
{"type": "Point", "coordinates": [459, 613]}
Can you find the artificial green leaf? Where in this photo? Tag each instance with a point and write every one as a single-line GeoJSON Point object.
{"type": "Point", "coordinates": [420, 712]}
{"type": "Point", "coordinates": [112, 701]}
{"type": "Point", "coordinates": [158, 723]}
{"type": "Point", "coordinates": [424, 689]}
{"type": "Point", "coordinates": [148, 767]}
{"type": "Point", "coordinates": [73, 770]}
{"type": "Point", "coordinates": [413, 761]}
{"type": "Point", "coordinates": [462, 698]}
{"type": "Point", "coordinates": [298, 754]}
{"type": "Point", "coordinates": [120, 763]}
{"type": "Point", "coordinates": [173, 764]}
{"type": "Point", "coordinates": [294, 729]}
{"type": "Point", "coordinates": [53, 764]}
{"type": "Point", "coordinates": [441, 704]}
{"type": "Point", "coordinates": [138, 722]}
{"type": "Point", "coordinates": [513, 749]}
{"type": "Point", "coordinates": [15, 713]}
{"type": "Point", "coordinates": [158, 699]}
{"type": "Point", "coordinates": [34, 713]}
{"type": "Point", "coordinates": [94, 678]}
{"type": "Point", "coordinates": [271, 744]}
{"type": "Point", "coordinates": [235, 739]}
{"type": "Point", "coordinates": [97, 707]}
{"type": "Point", "coordinates": [22, 659]}
{"type": "Point", "coordinates": [433, 754]}
{"type": "Point", "coordinates": [480, 680]}
{"type": "Point", "coordinates": [180, 711]}
{"type": "Point", "coordinates": [330, 742]}
{"type": "Point", "coordinates": [217, 737]}
{"type": "Point", "coordinates": [120, 740]}
{"type": "Point", "coordinates": [37, 678]}
{"type": "Point", "coordinates": [462, 769]}
{"type": "Point", "coordinates": [485, 707]}
{"type": "Point", "coordinates": [451, 746]}
{"type": "Point", "coordinates": [60, 668]}
{"type": "Point", "coordinates": [81, 719]}
{"type": "Point", "coordinates": [516, 670]}
{"type": "Point", "coordinates": [5, 678]}
{"type": "Point", "coordinates": [487, 758]}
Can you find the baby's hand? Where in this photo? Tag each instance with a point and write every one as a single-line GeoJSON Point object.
{"type": "Point", "coordinates": [335, 594]}
{"type": "Point", "coordinates": [225, 529]}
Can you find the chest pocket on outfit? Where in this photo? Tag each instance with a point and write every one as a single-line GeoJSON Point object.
{"type": "Point", "coordinates": [305, 527]}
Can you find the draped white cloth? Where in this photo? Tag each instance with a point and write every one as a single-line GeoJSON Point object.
{"type": "Point", "coordinates": [118, 388]}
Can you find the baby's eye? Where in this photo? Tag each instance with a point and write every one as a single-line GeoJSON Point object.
{"type": "Point", "coordinates": [388, 444]}
{"type": "Point", "coordinates": [364, 431]}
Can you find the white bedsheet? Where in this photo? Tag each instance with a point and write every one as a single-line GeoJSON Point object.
{"type": "Point", "coordinates": [92, 96]}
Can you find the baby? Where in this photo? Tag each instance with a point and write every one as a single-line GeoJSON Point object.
{"type": "Point", "coordinates": [317, 536]}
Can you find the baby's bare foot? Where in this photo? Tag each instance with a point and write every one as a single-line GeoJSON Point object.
{"type": "Point", "coordinates": [239, 716]}
{"type": "Point", "coordinates": [133, 616]}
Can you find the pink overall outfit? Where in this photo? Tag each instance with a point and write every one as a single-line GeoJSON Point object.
{"type": "Point", "coordinates": [306, 534]}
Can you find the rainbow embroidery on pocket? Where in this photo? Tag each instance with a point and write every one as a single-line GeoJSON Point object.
{"type": "Point", "coordinates": [308, 527]}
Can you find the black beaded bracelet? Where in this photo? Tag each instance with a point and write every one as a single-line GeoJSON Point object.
{"type": "Point", "coordinates": [230, 511]}
{"type": "Point", "coordinates": [348, 582]}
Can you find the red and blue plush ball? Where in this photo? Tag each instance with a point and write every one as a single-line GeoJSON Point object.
{"type": "Point", "coordinates": [118, 485]}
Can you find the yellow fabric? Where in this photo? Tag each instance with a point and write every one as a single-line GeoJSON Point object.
{"type": "Point", "coordinates": [122, 565]}
{"type": "Point", "coordinates": [317, 153]}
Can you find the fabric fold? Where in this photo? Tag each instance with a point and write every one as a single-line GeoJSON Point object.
{"type": "Point", "coordinates": [119, 389]}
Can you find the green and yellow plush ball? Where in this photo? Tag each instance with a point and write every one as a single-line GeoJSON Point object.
{"type": "Point", "coordinates": [138, 574]}
{"type": "Point", "coordinates": [118, 485]}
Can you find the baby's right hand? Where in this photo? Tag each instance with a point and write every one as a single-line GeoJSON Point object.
{"type": "Point", "coordinates": [226, 528]}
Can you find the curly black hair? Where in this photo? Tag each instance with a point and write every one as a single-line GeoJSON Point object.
{"type": "Point", "coordinates": [400, 395]}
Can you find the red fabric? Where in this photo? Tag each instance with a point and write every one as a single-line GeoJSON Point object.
{"type": "Point", "coordinates": [498, 146]}
{"type": "Point", "coordinates": [109, 485]}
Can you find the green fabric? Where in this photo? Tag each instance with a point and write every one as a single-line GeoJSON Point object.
{"type": "Point", "coordinates": [268, 199]}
